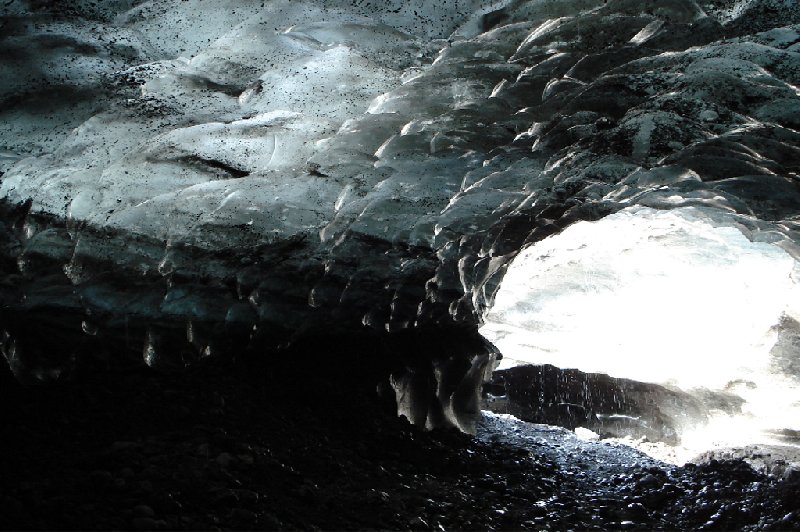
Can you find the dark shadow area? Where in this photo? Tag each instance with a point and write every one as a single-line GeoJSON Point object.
{"type": "Point", "coordinates": [301, 440]}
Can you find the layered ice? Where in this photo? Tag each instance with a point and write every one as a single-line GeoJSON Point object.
{"type": "Point", "coordinates": [176, 174]}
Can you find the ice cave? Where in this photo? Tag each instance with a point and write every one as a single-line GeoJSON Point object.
{"type": "Point", "coordinates": [400, 264]}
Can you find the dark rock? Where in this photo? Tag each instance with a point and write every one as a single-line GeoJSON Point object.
{"type": "Point", "coordinates": [240, 517]}
{"type": "Point", "coordinates": [605, 405]}
{"type": "Point", "coordinates": [649, 481]}
{"type": "Point", "coordinates": [247, 498]}
{"type": "Point", "coordinates": [225, 460]}
{"type": "Point", "coordinates": [145, 523]}
{"type": "Point", "coordinates": [101, 478]}
{"type": "Point", "coordinates": [224, 497]}
{"type": "Point", "coordinates": [143, 511]}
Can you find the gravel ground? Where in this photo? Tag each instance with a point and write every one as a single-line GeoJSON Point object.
{"type": "Point", "coordinates": [225, 447]}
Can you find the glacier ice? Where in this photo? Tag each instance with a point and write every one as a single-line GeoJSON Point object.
{"type": "Point", "coordinates": [285, 168]}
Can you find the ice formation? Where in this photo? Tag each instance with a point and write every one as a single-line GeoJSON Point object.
{"type": "Point", "coordinates": [181, 178]}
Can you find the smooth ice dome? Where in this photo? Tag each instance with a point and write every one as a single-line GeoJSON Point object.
{"type": "Point", "coordinates": [185, 179]}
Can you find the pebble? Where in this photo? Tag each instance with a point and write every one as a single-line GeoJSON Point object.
{"type": "Point", "coordinates": [246, 459]}
{"type": "Point", "coordinates": [101, 478]}
{"type": "Point", "coordinates": [709, 116]}
{"type": "Point", "coordinates": [649, 481]}
{"type": "Point", "coordinates": [225, 460]}
{"type": "Point", "coordinates": [145, 523]}
{"type": "Point", "coordinates": [247, 498]}
{"type": "Point", "coordinates": [636, 510]}
{"type": "Point", "coordinates": [240, 516]}
{"type": "Point", "coordinates": [792, 473]}
{"type": "Point", "coordinates": [123, 445]}
{"type": "Point", "coordinates": [224, 497]}
{"type": "Point", "coordinates": [143, 511]}
{"type": "Point", "coordinates": [419, 522]}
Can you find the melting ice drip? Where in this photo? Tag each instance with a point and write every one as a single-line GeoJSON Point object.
{"type": "Point", "coordinates": [669, 297]}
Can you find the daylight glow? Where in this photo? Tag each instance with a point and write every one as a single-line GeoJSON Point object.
{"type": "Point", "coordinates": [658, 296]}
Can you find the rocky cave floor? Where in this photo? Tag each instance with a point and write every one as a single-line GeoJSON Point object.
{"type": "Point", "coordinates": [223, 446]}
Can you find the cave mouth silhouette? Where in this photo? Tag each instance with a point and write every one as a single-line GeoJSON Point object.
{"type": "Point", "coordinates": [686, 301]}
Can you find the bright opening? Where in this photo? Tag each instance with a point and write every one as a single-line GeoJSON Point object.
{"type": "Point", "coordinates": [680, 298]}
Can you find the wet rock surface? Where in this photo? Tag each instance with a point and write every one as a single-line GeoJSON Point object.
{"type": "Point", "coordinates": [609, 406]}
{"type": "Point", "coordinates": [240, 447]}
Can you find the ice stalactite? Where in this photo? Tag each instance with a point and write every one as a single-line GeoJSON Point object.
{"type": "Point", "coordinates": [213, 177]}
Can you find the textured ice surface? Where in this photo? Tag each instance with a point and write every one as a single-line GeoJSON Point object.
{"type": "Point", "coordinates": [334, 166]}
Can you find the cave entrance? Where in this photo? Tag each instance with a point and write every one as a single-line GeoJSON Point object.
{"type": "Point", "coordinates": [678, 308]}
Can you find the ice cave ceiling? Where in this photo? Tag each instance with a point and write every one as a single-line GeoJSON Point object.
{"type": "Point", "coordinates": [189, 169]}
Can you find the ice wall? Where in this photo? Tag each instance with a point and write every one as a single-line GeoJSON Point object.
{"type": "Point", "coordinates": [177, 172]}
